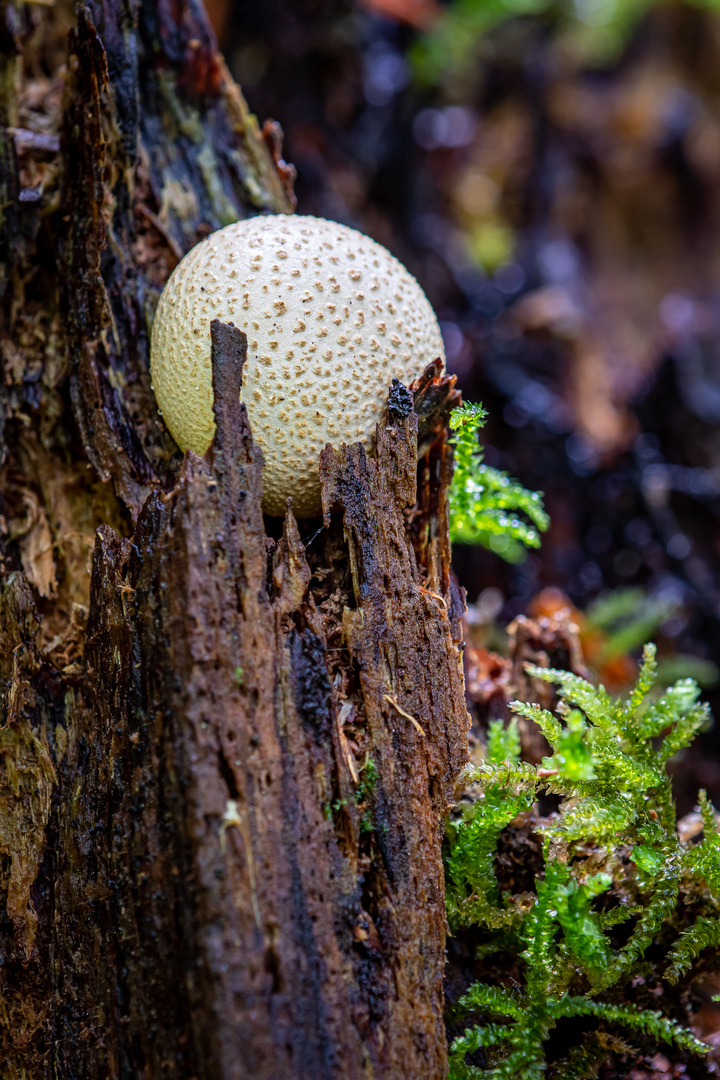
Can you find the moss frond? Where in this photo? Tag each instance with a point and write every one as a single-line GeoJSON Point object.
{"type": "Point", "coordinates": [486, 506]}
{"type": "Point", "coordinates": [608, 765]}
{"type": "Point", "coordinates": [703, 934]}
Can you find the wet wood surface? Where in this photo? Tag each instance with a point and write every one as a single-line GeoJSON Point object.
{"type": "Point", "coordinates": [226, 748]}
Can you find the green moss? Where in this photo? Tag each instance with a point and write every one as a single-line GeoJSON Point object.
{"type": "Point", "coordinates": [362, 797]}
{"type": "Point", "coordinates": [486, 506]}
{"type": "Point", "coordinates": [612, 854]}
{"type": "Point", "coordinates": [368, 778]}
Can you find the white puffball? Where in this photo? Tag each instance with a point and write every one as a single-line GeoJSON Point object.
{"type": "Point", "coordinates": [331, 318]}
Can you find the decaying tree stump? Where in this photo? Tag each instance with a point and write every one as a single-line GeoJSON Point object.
{"type": "Point", "coordinates": [225, 756]}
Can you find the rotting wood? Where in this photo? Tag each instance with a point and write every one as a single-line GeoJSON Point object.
{"type": "Point", "coordinates": [246, 904]}
{"type": "Point", "coordinates": [158, 145]}
{"type": "Point", "coordinates": [219, 841]}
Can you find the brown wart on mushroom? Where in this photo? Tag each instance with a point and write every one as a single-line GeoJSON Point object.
{"type": "Point", "coordinates": [331, 319]}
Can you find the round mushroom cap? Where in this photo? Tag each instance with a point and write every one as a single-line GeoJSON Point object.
{"type": "Point", "coordinates": [331, 318]}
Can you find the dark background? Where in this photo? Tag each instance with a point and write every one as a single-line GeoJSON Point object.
{"type": "Point", "coordinates": [558, 201]}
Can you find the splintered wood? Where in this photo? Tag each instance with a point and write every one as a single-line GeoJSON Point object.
{"type": "Point", "coordinates": [225, 757]}
{"type": "Point", "coordinates": [251, 910]}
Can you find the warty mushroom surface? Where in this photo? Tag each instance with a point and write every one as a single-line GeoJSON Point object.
{"type": "Point", "coordinates": [331, 317]}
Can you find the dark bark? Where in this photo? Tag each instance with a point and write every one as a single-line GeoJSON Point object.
{"type": "Point", "coordinates": [225, 757]}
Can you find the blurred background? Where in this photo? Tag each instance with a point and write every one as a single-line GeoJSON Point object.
{"type": "Point", "coordinates": [550, 172]}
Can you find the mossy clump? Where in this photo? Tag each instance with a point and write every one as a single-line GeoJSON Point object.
{"type": "Point", "coordinates": [616, 874]}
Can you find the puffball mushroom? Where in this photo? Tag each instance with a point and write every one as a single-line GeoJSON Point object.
{"type": "Point", "coordinates": [331, 318]}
